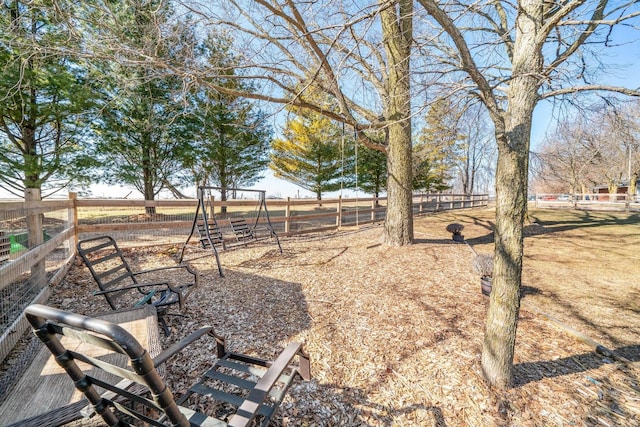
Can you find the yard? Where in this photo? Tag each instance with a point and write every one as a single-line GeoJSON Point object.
{"type": "Point", "coordinates": [395, 334]}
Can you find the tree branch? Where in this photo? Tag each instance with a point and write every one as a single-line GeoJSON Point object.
{"type": "Point", "coordinates": [591, 88]}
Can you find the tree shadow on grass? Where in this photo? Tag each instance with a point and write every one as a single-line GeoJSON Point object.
{"type": "Point", "coordinates": [586, 220]}
{"type": "Point", "coordinates": [539, 226]}
{"type": "Point", "coordinates": [528, 290]}
{"type": "Point", "coordinates": [608, 396]}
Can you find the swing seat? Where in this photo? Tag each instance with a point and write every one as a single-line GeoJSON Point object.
{"type": "Point", "coordinates": [241, 230]}
{"type": "Point", "coordinates": [214, 238]}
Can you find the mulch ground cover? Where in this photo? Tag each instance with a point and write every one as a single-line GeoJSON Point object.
{"type": "Point", "coordinates": [394, 333]}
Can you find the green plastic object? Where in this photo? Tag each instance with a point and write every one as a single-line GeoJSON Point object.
{"type": "Point", "coordinates": [19, 242]}
{"type": "Point", "coordinates": [16, 242]}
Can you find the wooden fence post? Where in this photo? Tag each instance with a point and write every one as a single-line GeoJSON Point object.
{"type": "Point", "coordinates": [32, 196]}
{"type": "Point", "coordinates": [339, 216]}
{"type": "Point", "coordinates": [72, 218]}
{"type": "Point", "coordinates": [287, 215]}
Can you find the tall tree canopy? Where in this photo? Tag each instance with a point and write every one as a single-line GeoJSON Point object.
{"type": "Point", "coordinates": [231, 145]}
{"type": "Point", "coordinates": [476, 152]}
{"type": "Point", "coordinates": [371, 176]}
{"type": "Point", "coordinates": [601, 146]}
{"type": "Point", "coordinates": [357, 55]}
{"type": "Point", "coordinates": [231, 137]}
{"type": "Point", "coordinates": [45, 102]}
{"type": "Point", "coordinates": [437, 147]}
{"type": "Point", "coordinates": [143, 131]}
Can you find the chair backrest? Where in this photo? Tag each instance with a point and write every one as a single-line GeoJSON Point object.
{"type": "Point", "coordinates": [74, 338]}
{"type": "Point", "coordinates": [110, 270]}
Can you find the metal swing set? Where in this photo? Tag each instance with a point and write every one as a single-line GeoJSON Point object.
{"type": "Point", "coordinates": [238, 232]}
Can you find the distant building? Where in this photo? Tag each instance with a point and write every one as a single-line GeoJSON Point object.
{"type": "Point", "coordinates": [622, 188]}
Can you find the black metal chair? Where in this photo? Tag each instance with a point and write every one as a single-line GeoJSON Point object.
{"type": "Point", "coordinates": [240, 389]}
{"type": "Point", "coordinates": [123, 288]}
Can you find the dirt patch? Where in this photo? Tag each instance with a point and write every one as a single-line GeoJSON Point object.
{"type": "Point", "coordinates": [395, 334]}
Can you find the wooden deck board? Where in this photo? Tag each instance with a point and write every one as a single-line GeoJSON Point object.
{"type": "Point", "coordinates": [46, 387]}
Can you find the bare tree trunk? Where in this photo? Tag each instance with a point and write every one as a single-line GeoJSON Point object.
{"type": "Point", "coordinates": [398, 227]}
{"type": "Point", "coordinates": [502, 316]}
{"type": "Point", "coordinates": [631, 190]}
{"type": "Point", "coordinates": [511, 201]}
{"type": "Point", "coordinates": [397, 29]}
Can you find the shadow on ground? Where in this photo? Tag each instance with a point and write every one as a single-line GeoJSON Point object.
{"type": "Point", "coordinates": [535, 371]}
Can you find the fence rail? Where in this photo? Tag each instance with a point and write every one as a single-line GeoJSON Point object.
{"type": "Point", "coordinates": [593, 201]}
{"type": "Point", "coordinates": [38, 238]}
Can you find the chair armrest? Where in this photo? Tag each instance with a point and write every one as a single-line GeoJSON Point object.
{"type": "Point", "coordinates": [259, 393]}
{"type": "Point", "coordinates": [185, 266]}
{"type": "Point", "coordinates": [124, 288]}
{"type": "Point", "coordinates": [188, 340]}
{"type": "Point", "coordinates": [196, 278]}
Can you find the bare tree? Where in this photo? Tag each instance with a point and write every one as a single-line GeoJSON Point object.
{"type": "Point", "coordinates": [615, 145]}
{"type": "Point", "coordinates": [624, 125]}
{"type": "Point", "coordinates": [568, 157]}
{"type": "Point", "coordinates": [477, 151]}
{"type": "Point", "coordinates": [359, 56]}
{"type": "Point", "coordinates": [599, 147]}
{"type": "Point", "coordinates": [511, 55]}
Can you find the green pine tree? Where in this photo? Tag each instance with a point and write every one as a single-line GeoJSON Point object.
{"type": "Point", "coordinates": [45, 105]}
{"type": "Point", "coordinates": [144, 130]}
{"type": "Point", "coordinates": [437, 147]}
{"type": "Point", "coordinates": [231, 138]}
{"type": "Point", "coordinates": [310, 154]}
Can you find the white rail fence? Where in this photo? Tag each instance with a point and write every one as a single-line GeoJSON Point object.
{"type": "Point", "coordinates": [591, 201]}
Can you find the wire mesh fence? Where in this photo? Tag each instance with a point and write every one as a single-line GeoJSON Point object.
{"type": "Point", "coordinates": [30, 257]}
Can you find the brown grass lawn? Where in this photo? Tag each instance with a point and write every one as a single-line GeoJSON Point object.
{"type": "Point", "coordinates": [580, 267]}
{"type": "Point", "coordinates": [395, 334]}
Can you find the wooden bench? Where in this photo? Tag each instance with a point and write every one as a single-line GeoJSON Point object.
{"type": "Point", "coordinates": [241, 388]}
